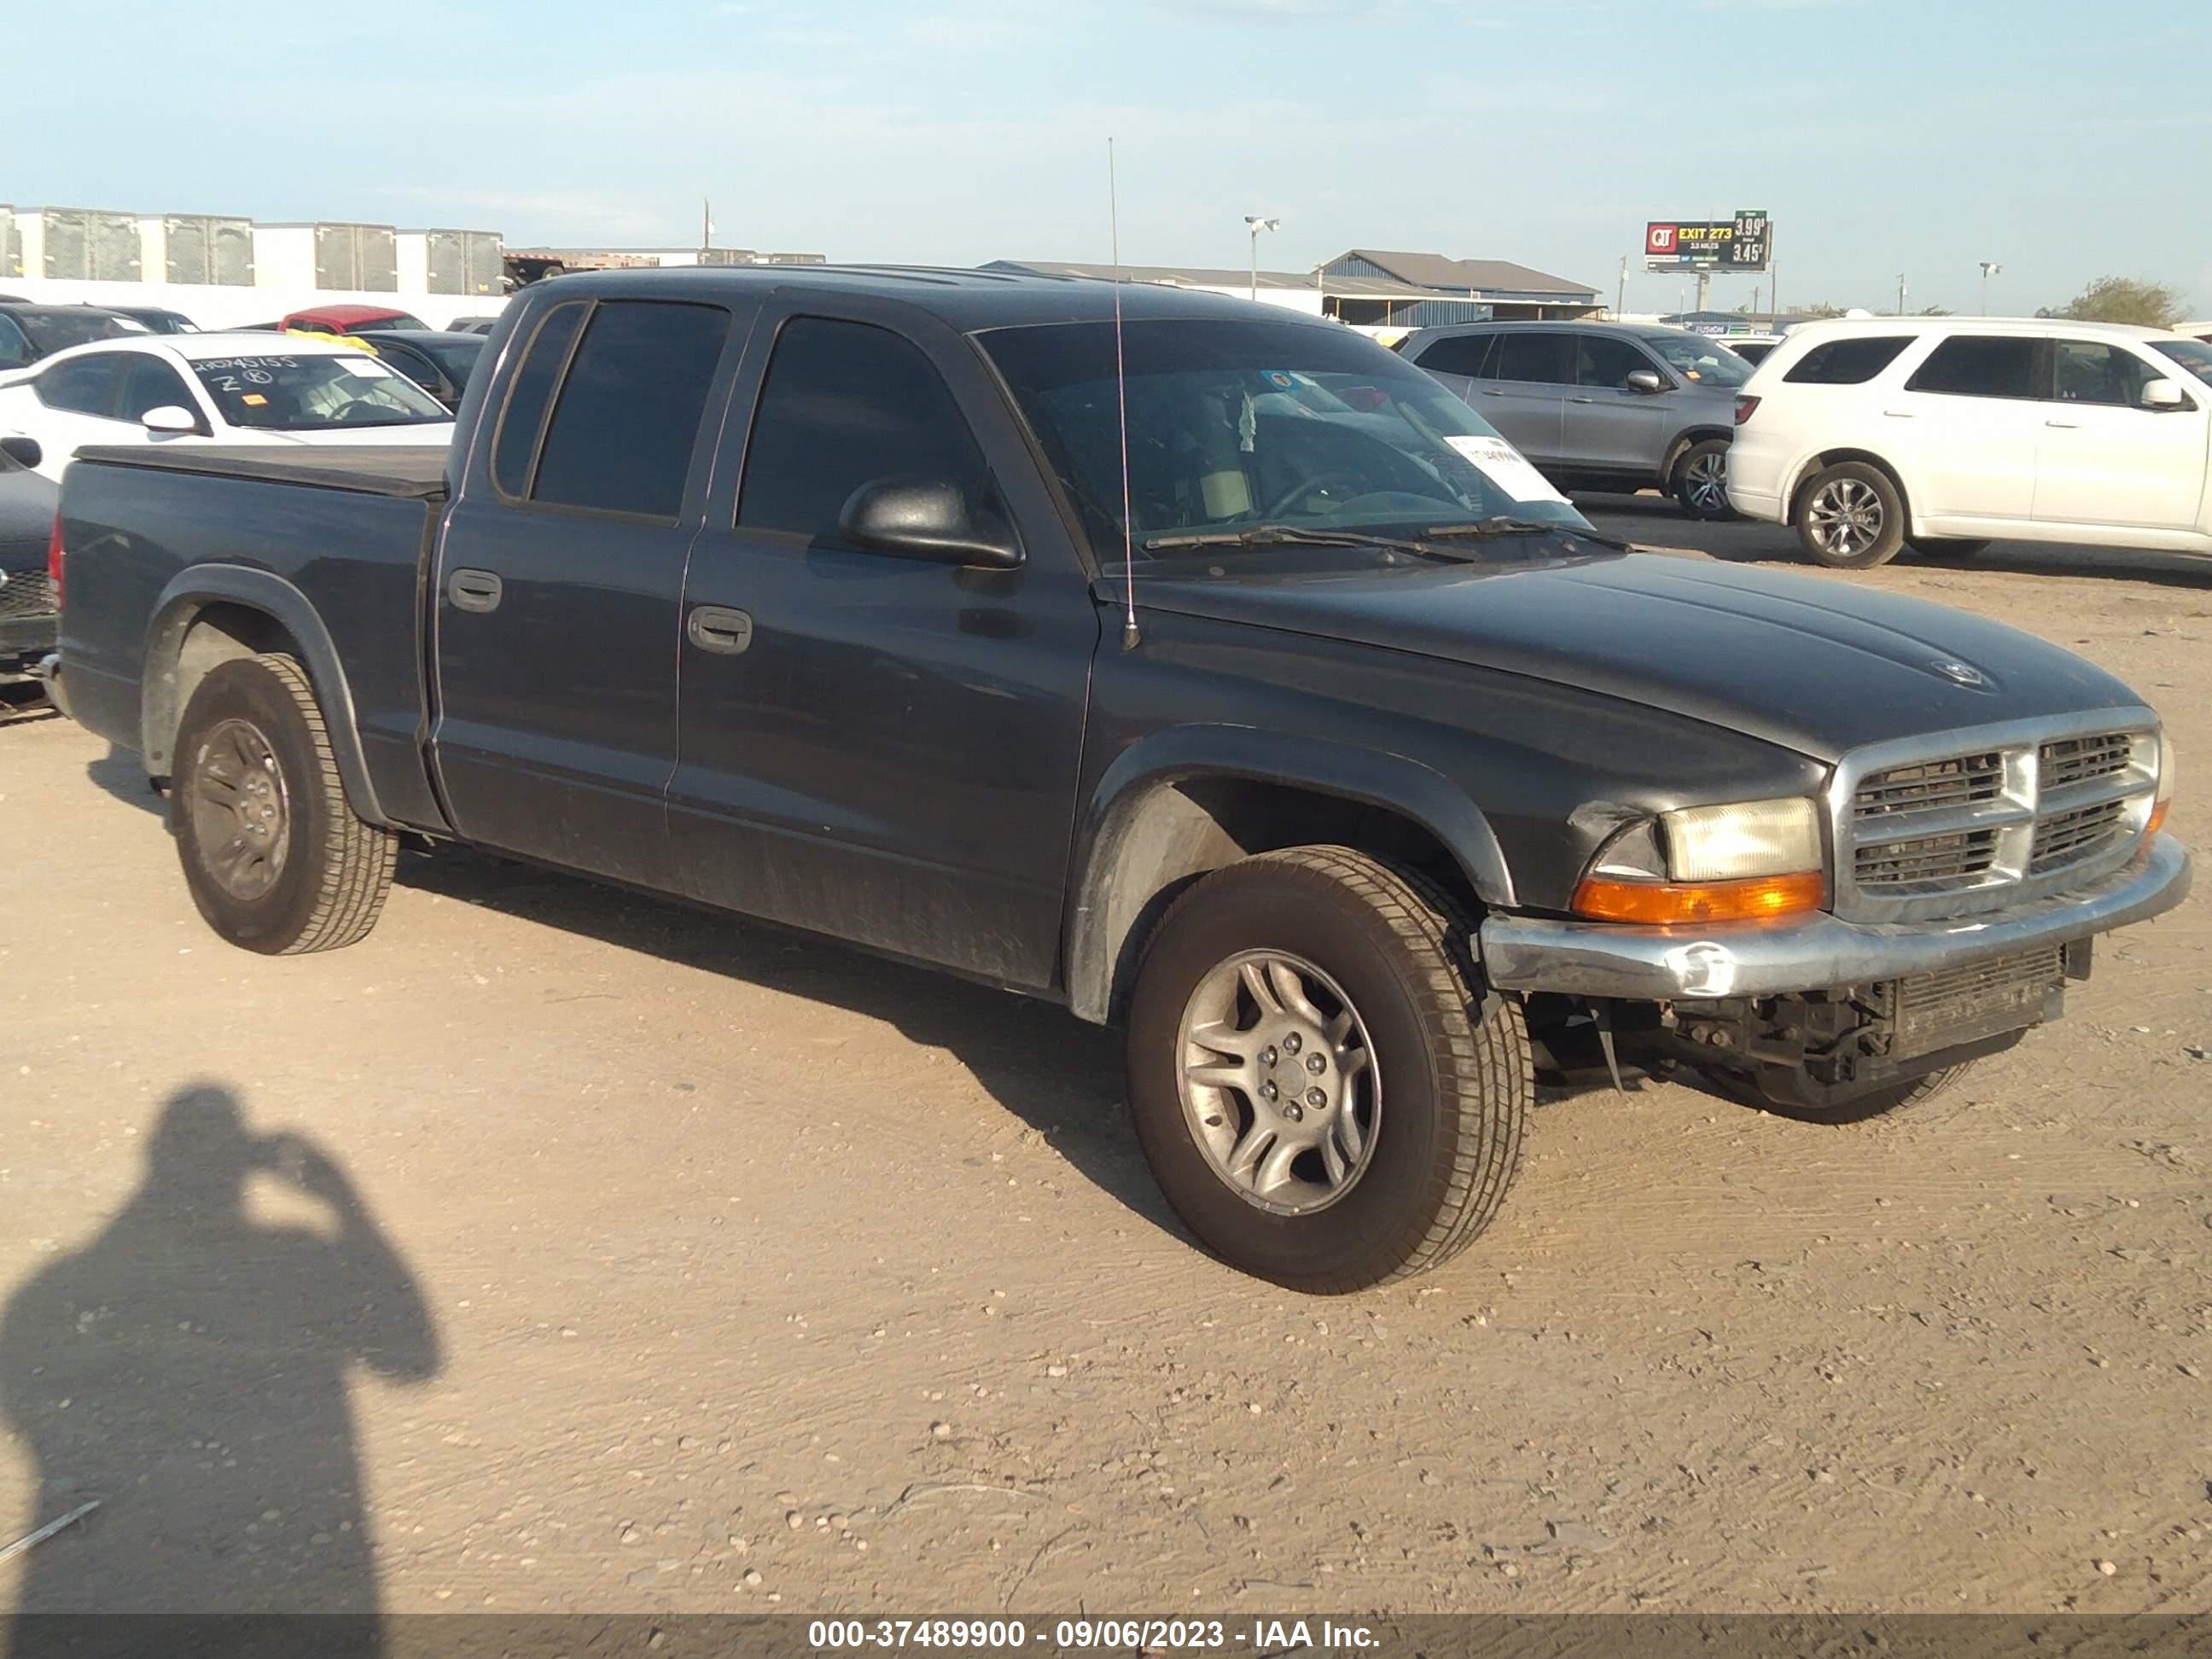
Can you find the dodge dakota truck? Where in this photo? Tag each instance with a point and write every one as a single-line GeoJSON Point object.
{"type": "Point", "coordinates": [1211, 671]}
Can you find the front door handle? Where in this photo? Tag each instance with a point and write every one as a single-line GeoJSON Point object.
{"type": "Point", "coordinates": [1896, 414]}
{"type": "Point", "coordinates": [719, 630]}
{"type": "Point", "coordinates": [2065, 426]}
{"type": "Point", "coordinates": [474, 590]}
{"type": "Point", "coordinates": [1581, 400]}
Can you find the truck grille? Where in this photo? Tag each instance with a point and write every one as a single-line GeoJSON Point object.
{"type": "Point", "coordinates": [1959, 1004]}
{"type": "Point", "coordinates": [27, 593]}
{"type": "Point", "coordinates": [1978, 826]}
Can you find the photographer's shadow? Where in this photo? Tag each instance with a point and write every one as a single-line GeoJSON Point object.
{"type": "Point", "coordinates": [189, 1370]}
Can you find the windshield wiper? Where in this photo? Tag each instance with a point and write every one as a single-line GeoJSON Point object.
{"type": "Point", "coordinates": [1283, 535]}
{"type": "Point", "coordinates": [1502, 526]}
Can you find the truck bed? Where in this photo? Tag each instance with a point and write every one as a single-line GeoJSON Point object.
{"type": "Point", "coordinates": [404, 470]}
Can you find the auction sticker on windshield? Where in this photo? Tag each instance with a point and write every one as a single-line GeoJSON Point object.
{"type": "Point", "coordinates": [1502, 466]}
{"type": "Point", "coordinates": [367, 369]}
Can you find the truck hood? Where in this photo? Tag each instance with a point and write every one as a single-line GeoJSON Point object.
{"type": "Point", "coordinates": [1816, 665]}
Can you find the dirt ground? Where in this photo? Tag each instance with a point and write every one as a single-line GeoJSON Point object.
{"type": "Point", "coordinates": [619, 1258]}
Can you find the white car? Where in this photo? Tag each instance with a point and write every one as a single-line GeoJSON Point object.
{"type": "Point", "coordinates": [1751, 348]}
{"type": "Point", "coordinates": [1949, 432]}
{"type": "Point", "coordinates": [192, 389]}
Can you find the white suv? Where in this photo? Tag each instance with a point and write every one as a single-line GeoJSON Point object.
{"type": "Point", "coordinates": [1951, 432]}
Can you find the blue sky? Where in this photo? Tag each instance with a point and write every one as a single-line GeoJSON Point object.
{"type": "Point", "coordinates": [2062, 139]}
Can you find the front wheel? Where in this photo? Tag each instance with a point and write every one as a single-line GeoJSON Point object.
{"type": "Point", "coordinates": [1323, 1096]}
{"type": "Point", "coordinates": [275, 858]}
{"type": "Point", "coordinates": [1852, 517]}
{"type": "Point", "coordinates": [1701, 480]}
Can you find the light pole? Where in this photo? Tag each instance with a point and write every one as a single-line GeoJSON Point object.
{"type": "Point", "coordinates": [1990, 268]}
{"type": "Point", "coordinates": [1900, 293]}
{"type": "Point", "coordinates": [1256, 224]}
{"type": "Point", "coordinates": [1621, 304]}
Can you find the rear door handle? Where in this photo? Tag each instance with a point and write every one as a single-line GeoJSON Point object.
{"type": "Point", "coordinates": [2065, 426]}
{"type": "Point", "coordinates": [474, 590]}
{"type": "Point", "coordinates": [719, 630]}
{"type": "Point", "coordinates": [1896, 414]}
{"type": "Point", "coordinates": [1581, 400]}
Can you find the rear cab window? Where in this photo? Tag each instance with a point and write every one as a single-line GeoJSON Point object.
{"type": "Point", "coordinates": [1846, 362]}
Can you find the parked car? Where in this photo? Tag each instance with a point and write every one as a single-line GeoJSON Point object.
{"type": "Point", "coordinates": [473, 325]}
{"type": "Point", "coordinates": [1948, 433]}
{"type": "Point", "coordinates": [1751, 348]}
{"type": "Point", "coordinates": [438, 362]}
{"type": "Point", "coordinates": [1289, 719]}
{"type": "Point", "coordinates": [1599, 405]}
{"type": "Point", "coordinates": [177, 390]}
{"type": "Point", "coordinates": [157, 320]}
{"type": "Point", "coordinates": [28, 611]}
{"type": "Point", "coordinates": [347, 320]}
{"type": "Point", "coordinates": [2197, 331]}
{"type": "Point", "coordinates": [29, 332]}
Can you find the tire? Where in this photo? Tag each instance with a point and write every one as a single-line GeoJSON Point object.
{"type": "Point", "coordinates": [1699, 484]}
{"type": "Point", "coordinates": [1946, 547]}
{"type": "Point", "coordinates": [1851, 517]}
{"type": "Point", "coordinates": [1436, 1109]}
{"type": "Point", "coordinates": [1897, 1097]}
{"type": "Point", "coordinates": [281, 867]}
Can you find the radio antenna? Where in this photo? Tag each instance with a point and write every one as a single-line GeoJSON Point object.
{"type": "Point", "coordinates": [1122, 399]}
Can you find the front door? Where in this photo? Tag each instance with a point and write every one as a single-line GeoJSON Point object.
{"type": "Point", "coordinates": [2105, 459]}
{"type": "Point", "coordinates": [884, 750]}
{"type": "Point", "coordinates": [1611, 427]}
{"type": "Point", "coordinates": [1969, 420]}
{"type": "Point", "coordinates": [558, 578]}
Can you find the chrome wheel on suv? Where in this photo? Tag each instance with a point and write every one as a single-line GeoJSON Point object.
{"type": "Point", "coordinates": [1701, 479]}
{"type": "Point", "coordinates": [1851, 517]}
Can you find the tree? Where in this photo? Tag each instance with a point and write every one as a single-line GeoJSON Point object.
{"type": "Point", "coordinates": [1936, 311]}
{"type": "Point", "coordinates": [2122, 300]}
{"type": "Point", "coordinates": [1823, 309]}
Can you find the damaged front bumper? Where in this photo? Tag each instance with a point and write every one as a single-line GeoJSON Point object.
{"type": "Point", "coordinates": [1667, 964]}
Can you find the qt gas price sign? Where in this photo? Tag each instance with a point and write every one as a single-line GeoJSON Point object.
{"type": "Point", "coordinates": [1738, 243]}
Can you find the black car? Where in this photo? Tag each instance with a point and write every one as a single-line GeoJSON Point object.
{"type": "Point", "coordinates": [441, 363]}
{"type": "Point", "coordinates": [473, 325]}
{"type": "Point", "coordinates": [28, 332]}
{"type": "Point", "coordinates": [158, 320]}
{"type": "Point", "coordinates": [27, 602]}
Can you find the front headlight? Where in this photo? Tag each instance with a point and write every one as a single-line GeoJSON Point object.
{"type": "Point", "coordinates": [1732, 843]}
{"type": "Point", "coordinates": [1748, 861]}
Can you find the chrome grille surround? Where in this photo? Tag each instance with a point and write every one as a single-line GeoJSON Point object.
{"type": "Point", "coordinates": [1927, 828]}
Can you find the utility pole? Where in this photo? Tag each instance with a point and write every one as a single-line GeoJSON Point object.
{"type": "Point", "coordinates": [706, 227]}
{"type": "Point", "coordinates": [1900, 293]}
{"type": "Point", "coordinates": [1990, 268]}
{"type": "Point", "coordinates": [1620, 305]}
{"type": "Point", "coordinates": [1256, 224]}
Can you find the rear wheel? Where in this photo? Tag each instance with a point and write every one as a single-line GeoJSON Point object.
{"type": "Point", "coordinates": [276, 859]}
{"type": "Point", "coordinates": [1851, 517]}
{"type": "Point", "coordinates": [1700, 481]}
{"type": "Point", "coordinates": [1322, 1095]}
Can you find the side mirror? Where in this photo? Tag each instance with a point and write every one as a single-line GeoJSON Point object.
{"type": "Point", "coordinates": [1645, 380]}
{"type": "Point", "coordinates": [2164, 394]}
{"type": "Point", "coordinates": [24, 451]}
{"type": "Point", "coordinates": [927, 520]}
{"type": "Point", "coordinates": [170, 420]}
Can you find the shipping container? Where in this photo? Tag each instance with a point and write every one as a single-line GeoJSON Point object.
{"type": "Point", "coordinates": [466, 262]}
{"type": "Point", "coordinates": [359, 259]}
{"type": "Point", "coordinates": [205, 249]}
{"type": "Point", "coordinates": [85, 244]}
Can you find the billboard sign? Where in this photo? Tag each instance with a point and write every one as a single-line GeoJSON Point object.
{"type": "Point", "coordinates": [1740, 244]}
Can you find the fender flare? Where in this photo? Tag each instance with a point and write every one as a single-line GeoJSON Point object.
{"type": "Point", "coordinates": [190, 592]}
{"type": "Point", "coordinates": [1099, 930]}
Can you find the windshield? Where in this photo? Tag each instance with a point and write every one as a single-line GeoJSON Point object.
{"type": "Point", "coordinates": [1698, 359]}
{"type": "Point", "coordinates": [1235, 425]}
{"type": "Point", "coordinates": [2194, 356]}
{"type": "Point", "coordinates": [314, 392]}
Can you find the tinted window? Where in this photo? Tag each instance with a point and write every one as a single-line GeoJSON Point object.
{"type": "Point", "coordinates": [1846, 362]}
{"type": "Point", "coordinates": [1546, 358]}
{"type": "Point", "coordinates": [622, 433]}
{"type": "Point", "coordinates": [2091, 372]}
{"type": "Point", "coordinates": [84, 385]}
{"type": "Point", "coordinates": [411, 363]}
{"type": "Point", "coordinates": [1602, 362]}
{"type": "Point", "coordinates": [846, 404]}
{"type": "Point", "coordinates": [1754, 352]}
{"type": "Point", "coordinates": [14, 345]}
{"type": "Point", "coordinates": [528, 396]}
{"type": "Point", "coordinates": [149, 383]}
{"type": "Point", "coordinates": [457, 357]}
{"type": "Point", "coordinates": [1980, 365]}
{"type": "Point", "coordinates": [1463, 355]}
{"type": "Point", "coordinates": [1699, 358]}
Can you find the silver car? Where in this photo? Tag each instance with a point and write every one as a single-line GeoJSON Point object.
{"type": "Point", "coordinates": [1599, 405]}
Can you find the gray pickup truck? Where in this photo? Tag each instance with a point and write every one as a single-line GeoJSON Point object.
{"type": "Point", "coordinates": [1201, 668]}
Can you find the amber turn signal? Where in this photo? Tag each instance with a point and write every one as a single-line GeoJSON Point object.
{"type": "Point", "coordinates": [1663, 903]}
{"type": "Point", "coordinates": [2157, 818]}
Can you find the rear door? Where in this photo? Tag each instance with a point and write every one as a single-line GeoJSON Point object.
{"type": "Point", "coordinates": [1967, 423]}
{"type": "Point", "coordinates": [557, 582]}
{"type": "Point", "coordinates": [884, 750]}
{"type": "Point", "coordinates": [1530, 378]}
{"type": "Point", "coordinates": [2103, 458]}
{"type": "Point", "coordinates": [1610, 426]}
